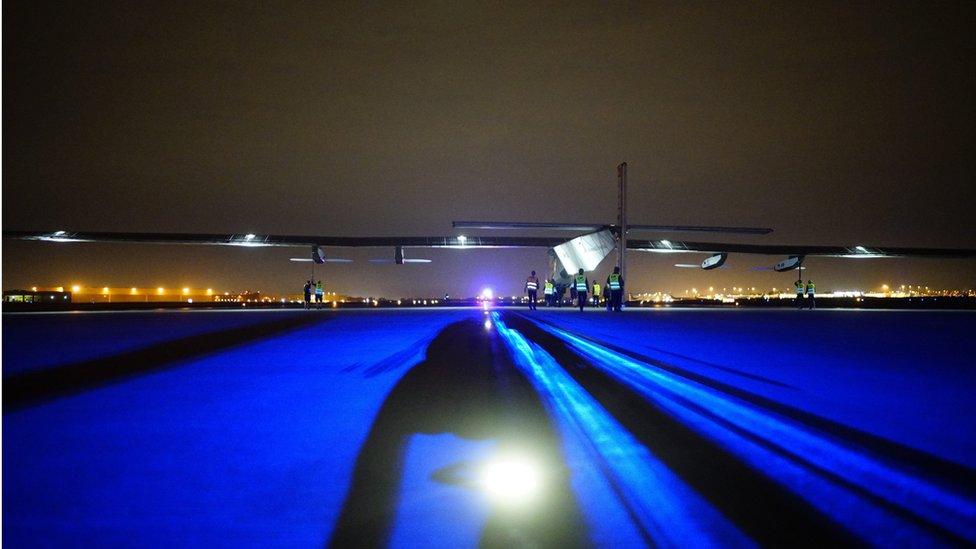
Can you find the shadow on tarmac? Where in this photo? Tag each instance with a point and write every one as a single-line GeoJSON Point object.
{"type": "Point", "coordinates": [33, 387]}
{"type": "Point", "coordinates": [466, 386]}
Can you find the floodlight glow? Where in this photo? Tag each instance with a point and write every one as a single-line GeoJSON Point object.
{"type": "Point", "coordinates": [487, 325]}
{"type": "Point", "coordinates": [487, 293]}
{"type": "Point", "coordinates": [76, 288]}
{"type": "Point", "coordinates": [462, 240]}
{"type": "Point", "coordinates": [511, 479]}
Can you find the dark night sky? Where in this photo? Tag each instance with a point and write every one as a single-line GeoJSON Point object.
{"type": "Point", "coordinates": [833, 124]}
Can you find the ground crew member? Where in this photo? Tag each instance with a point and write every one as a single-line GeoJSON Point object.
{"type": "Point", "coordinates": [596, 293]}
{"type": "Point", "coordinates": [532, 286]}
{"type": "Point", "coordinates": [319, 292]}
{"type": "Point", "coordinates": [811, 290]}
{"type": "Point", "coordinates": [582, 286]}
{"type": "Point", "coordinates": [616, 284]}
{"type": "Point", "coordinates": [798, 285]}
{"type": "Point", "coordinates": [549, 292]}
{"type": "Point", "coordinates": [308, 294]}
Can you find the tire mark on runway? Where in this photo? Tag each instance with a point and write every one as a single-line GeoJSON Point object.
{"type": "Point", "coordinates": [934, 468]}
{"type": "Point", "coordinates": [763, 509]}
{"type": "Point", "coordinates": [879, 501]}
{"type": "Point", "coordinates": [34, 387]}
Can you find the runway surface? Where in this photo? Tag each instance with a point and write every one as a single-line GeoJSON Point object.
{"type": "Point", "coordinates": [668, 427]}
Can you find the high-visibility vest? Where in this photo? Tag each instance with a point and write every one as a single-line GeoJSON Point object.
{"type": "Point", "coordinates": [799, 288]}
{"type": "Point", "coordinates": [614, 281]}
{"type": "Point", "coordinates": [318, 289]}
{"type": "Point", "coordinates": [810, 290]}
{"type": "Point", "coordinates": [580, 283]}
{"type": "Point", "coordinates": [596, 289]}
{"type": "Point", "coordinates": [532, 283]}
{"type": "Point", "coordinates": [549, 288]}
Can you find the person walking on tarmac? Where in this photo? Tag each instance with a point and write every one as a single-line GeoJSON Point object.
{"type": "Point", "coordinates": [582, 287]}
{"type": "Point", "coordinates": [811, 291]}
{"type": "Point", "coordinates": [615, 283]}
{"type": "Point", "coordinates": [308, 294]}
{"type": "Point", "coordinates": [319, 292]}
{"type": "Point", "coordinates": [596, 293]}
{"type": "Point", "coordinates": [549, 291]}
{"type": "Point", "coordinates": [532, 287]}
{"type": "Point", "coordinates": [798, 285]}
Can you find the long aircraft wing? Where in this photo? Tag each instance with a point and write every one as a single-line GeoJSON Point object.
{"type": "Point", "coordinates": [464, 242]}
{"type": "Point", "coordinates": [854, 252]}
{"type": "Point", "coordinates": [250, 240]}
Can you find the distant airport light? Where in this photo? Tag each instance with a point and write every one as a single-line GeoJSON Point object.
{"type": "Point", "coordinates": [189, 300]}
{"type": "Point", "coordinates": [76, 288]}
{"type": "Point", "coordinates": [487, 324]}
{"type": "Point", "coordinates": [462, 240]}
{"type": "Point", "coordinates": [487, 294]}
{"type": "Point", "coordinates": [160, 290]}
{"type": "Point", "coordinates": [61, 289]}
{"type": "Point", "coordinates": [209, 291]}
{"type": "Point", "coordinates": [186, 291]}
{"type": "Point", "coordinates": [105, 290]}
{"type": "Point", "coordinates": [33, 288]}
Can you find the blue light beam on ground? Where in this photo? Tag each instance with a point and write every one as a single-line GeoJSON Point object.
{"type": "Point", "coordinates": [666, 509]}
{"type": "Point", "coordinates": [799, 456]}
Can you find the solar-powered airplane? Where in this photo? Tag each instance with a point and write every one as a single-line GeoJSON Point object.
{"type": "Point", "coordinates": [584, 251]}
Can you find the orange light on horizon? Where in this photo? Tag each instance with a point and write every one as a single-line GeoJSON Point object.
{"type": "Point", "coordinates": [105, 290]}
{"type": "Point", "coordinates": [33, 288]}
{"type": "Point", "coordinates": [186, 291]}
{"type": "Point", "coordinates": [76, 288]}
{"type": "Point", "coordinates": [209, 291]}
{"type": "Point", "coordinates": [159, 290]}
{"type": "Point", "coordinates": [132, 291]}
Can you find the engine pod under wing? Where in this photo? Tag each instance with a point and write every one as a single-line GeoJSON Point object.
{"type": "Point", "coordinates": [788, 264]}
{"type": "Point", "coordinates": [714, 262]}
